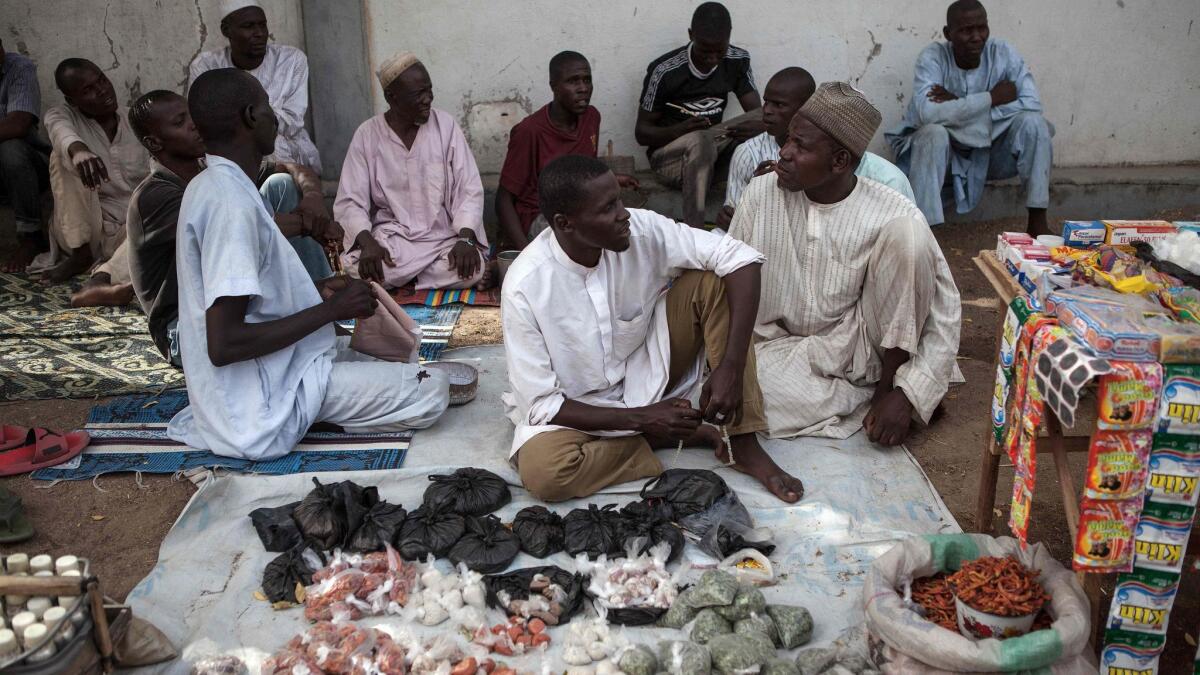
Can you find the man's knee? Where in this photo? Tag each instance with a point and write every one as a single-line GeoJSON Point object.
{"type": "Point", "coordinates": [931, 137]}
{"type": "Point", "coordinates": [550, 467]}
{"type": "Point", "coordinates": [281, 191]}
{"type": "Point", "coordinates": [14, 155]}
{"type": "Point", "coordinates": [1031, 128]}
{"type": "Point", "coordinates": [903, 239]}
{"type": "Point", "coordinates": [701, 148]}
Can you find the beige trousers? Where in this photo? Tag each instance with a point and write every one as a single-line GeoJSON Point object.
{"type": "Point", "coordinates": [568, 464]}
{"type": "Point", "coordinates": [79, 220]}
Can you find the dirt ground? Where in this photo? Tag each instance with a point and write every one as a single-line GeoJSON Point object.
{"type": "Point", "coordinates": [119, 522]}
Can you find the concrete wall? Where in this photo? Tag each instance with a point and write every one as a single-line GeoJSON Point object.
{"type": "Point", "coordinates": [1119, 78]}
{"type": "Point", "coordinates": [141, 44]}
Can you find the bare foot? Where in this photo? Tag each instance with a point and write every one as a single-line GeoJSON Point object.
{"type": "Point", "coordinates": [489, 276]}
{"type": "Point", "coordinates": [103, 295]}
{"type": "Point", "coordinates": [28, 247]}
{"type": "Point", "coordinates": [753, 461]}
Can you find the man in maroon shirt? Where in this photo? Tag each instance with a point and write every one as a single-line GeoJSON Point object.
{"type": "Point", "coordinates": [568, 125]}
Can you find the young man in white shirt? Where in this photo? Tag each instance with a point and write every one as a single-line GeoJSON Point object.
{"type": "Point", "coordinates": [606, 315]}
{"type": "Point", "coordinates": [257, 340]}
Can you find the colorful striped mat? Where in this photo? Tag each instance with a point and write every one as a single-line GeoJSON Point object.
{"type": "Point", "coordinates": [437, 298]}
{"type": "Point", "coordinates": [129, 433]}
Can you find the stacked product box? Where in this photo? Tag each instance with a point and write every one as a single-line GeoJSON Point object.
{"type": "Point", "coordinates": [1142, 600]}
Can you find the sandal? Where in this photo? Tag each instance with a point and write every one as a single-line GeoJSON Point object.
{"type": "Point", "coordinates": [40, 448]}
{"type": "Point", "coordinates": [14, 526]}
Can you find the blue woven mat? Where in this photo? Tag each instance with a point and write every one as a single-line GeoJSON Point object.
{"type": "Point", "coordinates": [129, 433]}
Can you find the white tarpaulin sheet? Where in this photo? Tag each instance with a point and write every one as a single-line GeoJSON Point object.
{"type": "Point", "coordinates": [859, 500]}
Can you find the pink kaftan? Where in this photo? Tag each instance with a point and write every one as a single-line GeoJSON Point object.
{"type": "Point", "coordinates": [413, 201]}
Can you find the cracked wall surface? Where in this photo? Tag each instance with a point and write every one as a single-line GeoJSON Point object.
{"type": "Point", "coordinates": [1121, 84]}
{"type": "Point", "coordinates": [141, 44]}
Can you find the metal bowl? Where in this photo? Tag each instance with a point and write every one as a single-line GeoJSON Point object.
{"type": "Point", "coordinates": [464, 380]}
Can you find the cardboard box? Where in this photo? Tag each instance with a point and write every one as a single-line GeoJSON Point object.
{"type": "Point", "coordinates": [1129, 231]}
{"type": "Point", "coordinates": [1084, 233]}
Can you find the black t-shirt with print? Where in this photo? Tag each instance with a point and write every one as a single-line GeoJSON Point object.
{"type": "Point", "coordinates": [669, 79]}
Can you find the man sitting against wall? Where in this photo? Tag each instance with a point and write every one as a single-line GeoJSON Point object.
{"type": "Point", "coordinates": [24, 172]}
{"type": "Point", "coordinates": [786, 91]}
{"type": "Point", "coordinates": [410, 197]}
{"type": "Point", "coordinates": [683, 104]}
{"type": "Point", "coordinates": [281, 70]}
{"type": "Point", "coordinates": [568, 125]}
{"type": "Point", "coordinates": [257, 339]}
{"type": "Point", "coordinates": [975, 116]}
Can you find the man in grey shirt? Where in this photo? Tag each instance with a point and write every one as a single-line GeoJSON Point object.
{"type": "Point", "coordinates": [23, 157]}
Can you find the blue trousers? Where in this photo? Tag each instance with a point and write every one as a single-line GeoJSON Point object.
{"type": "Point", "coordinates": [283, 195]}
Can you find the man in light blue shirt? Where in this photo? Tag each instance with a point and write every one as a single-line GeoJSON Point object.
{"type": "Point", "coordinates": [257, 340]}
{"type": "Point", "coordinates": [975, 116]}
{"type": "Point", "coordinates": [786, 92]}
{"type": "Point", "coordinates": [24, 166]}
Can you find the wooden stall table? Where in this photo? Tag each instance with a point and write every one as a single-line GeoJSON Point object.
{"type": "Point", "coordinates": [1007, 288]}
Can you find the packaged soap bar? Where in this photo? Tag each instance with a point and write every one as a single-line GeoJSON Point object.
{"type": "Point", "coordinates": [1179, 342]}
{"type": "Point", "coordinates": [1161, 536]}
{"type": "Point", "coordinates": [1117, 463]}
{"type": "Point", "coordinates": [999, 400]}
{"type": "Point", "coordinates": [1179, 404]}
{"type": "Point", "coordinates": [1084, 233]}
{"type": "Point", "coordinates": [1129, 652]}
{"type": "Point", "coordinates": [1142, 601]}
{"type": "Point", "coordinates": [1105, 539]}
{"type": "Point", "coordinates": [1129, 231]}
{"type": "Point", "coordinates": [1174, 470]}
{"type": "Point", "coordinates": [1018, 312]}
{"type": "Point", "coordinates": [1128, 395]}
{"type": "Point", "coordinates": [1109, 332]}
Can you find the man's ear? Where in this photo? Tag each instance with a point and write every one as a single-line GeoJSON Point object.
{"type": "Point", "coordinates": [840, 161]}
{"type": "Point", "coordinates": [225, 29]}
{"type": "Point", "coordinates": [561, 222]}
{"type": "Point", "coordinates": [690, 38]}
{"type": "Point", "coordinates": [249, 117]}
{"type": "Point", "coordinates": [946, 33]}
{"type": "Point", "coordinates": [152, 143]}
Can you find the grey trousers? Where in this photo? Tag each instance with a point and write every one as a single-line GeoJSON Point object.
{"type": "Point", "coordinates": [688, 162]}
{"type": "Point", "coordinates": [24, 175]}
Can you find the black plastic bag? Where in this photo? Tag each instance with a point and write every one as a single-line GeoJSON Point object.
{"type": "Point", "coordinates": [725, 528]}
{"type": "Point", "coordinates": [648, 525]}
{"type": "Point", "coordinates": [379, 526]}
{"type": "Point", "coordinates": [467, 492]}
{"type": "Point", "coordinates": [427, 531]}
{"type": "Point", "coordinates": [329, 514]}
{"type": "Point", "coordinates": [631, 616]}
{"type": "Point", "coordinates": [595, 531]}
{"type": "Point", "coordinates": [539, 530]}
{"type": "Point", "coordinates": [276, 528]}
{"type": "Point", "coordinates": [686, 491]}
{"type": "Point", "coordinates": [288, 569]}
{"type": "Point", "coordinates": [487, 547]}
{"type": "Point", "coordinates": [515, 585]}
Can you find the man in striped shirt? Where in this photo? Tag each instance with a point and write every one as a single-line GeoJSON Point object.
{"type": "Point", "coordinates": [23, 157]}
{"type": "Point", "coordinates": [683, 104]}
{"type": "Point", "coordinates": [858, 321]}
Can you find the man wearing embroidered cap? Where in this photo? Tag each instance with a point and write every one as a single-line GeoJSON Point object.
{"type": "Point", "coordinates": [282, 70]}
{"type": "Point", "coordinates": [410, 198]}
{"type": "Point", "coordinates": [858, 323]}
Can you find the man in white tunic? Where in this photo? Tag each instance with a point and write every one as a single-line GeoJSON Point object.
{"type": "Point", "coordinates": [282, 70]}
{"type": "Point", "coordinates": [859, 320]}
{"type": "Point", "coordinates": [608, 317]}
{"type": "Point", "coordinates": [256, 338]}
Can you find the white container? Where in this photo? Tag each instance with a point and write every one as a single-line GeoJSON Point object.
{"type": "Point", "coordinates": [33, 634]}
{"type": "Point", "coordinates": [22, 621]}
{"type": "Point", "coordinates": [978, 625]}
{"type": "Point", "coordinates": [38, 606]}
{"type": "Point", "coordinates": [8, 643]}
{"type": "Point", "coordinates": [55, 616]}
{"type": "Point", "coordinates": [41, 563]}
{"type": "Point", "coordinates": [66, 564]}
{"type": "Point", "coordinates": [1050, 240]}
{"type": "Point", "coordinates": [68, 600]}
{"type": "Point", "coordinates": [17, 563]}
{"type": "Point", "coordinates": [16, 602]}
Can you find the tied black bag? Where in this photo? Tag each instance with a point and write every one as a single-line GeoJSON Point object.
{"type": "Point", "coordinates": [429, 532]}
{"type": "Point", "coordinates": [293, 567]}
{"type": "Point", "coordinates": [276, 528]}
{"type": "Point", "coordinates": [648, 525]}
{"type": "Point", "coordinates": [329, 514]}
{"type": "Point", "coordinates": [515, 586]}
{"type": "Point", "coordinates": [704, 505]}
{"type": "Point", "coordinates": [467, 492]}
{"type": "Point", "coordinates": [687, 491]}
{"type": "Point", "coordinates": [539, 530]}
{"type": "Point", "coordinates": [595, 531]}
{"type": "Point", "coordinates": [379, 526]}
{"type": "Point", "coordinates": [487, 547]}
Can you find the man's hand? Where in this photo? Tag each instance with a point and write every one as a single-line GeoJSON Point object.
{"type": "Point", "coordinates": [725, 217]}
{"type": "Point", "coordinates": [938, 94]}
{"type": "Point", "coordinates": [465, 259]}
{"type": "Point", "coordinates": [674, 418]}
{"type": "Point", "coordinates": [372, 256]}
{"type": "Point", "coordinates": [316, 216]}
{"type": "Point", "coordinates": [764, 167]}
{"type": "Point", "coordinates": [1004, 92]}
{"type": "Point", "coordinates": [744, 131]}
{"type": "Point", "coordinates": [693, 124]}
{"type": "Point", "coordinates": [888, 421]}
{"type": "Point", "coordinates": [353, 300]}
{"type": "Point", "coordinates": [721, 397]}
{"type": "Point", "coordinates": [90, 168]}
{"type": "Point", "coordinates": [627, 182]}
